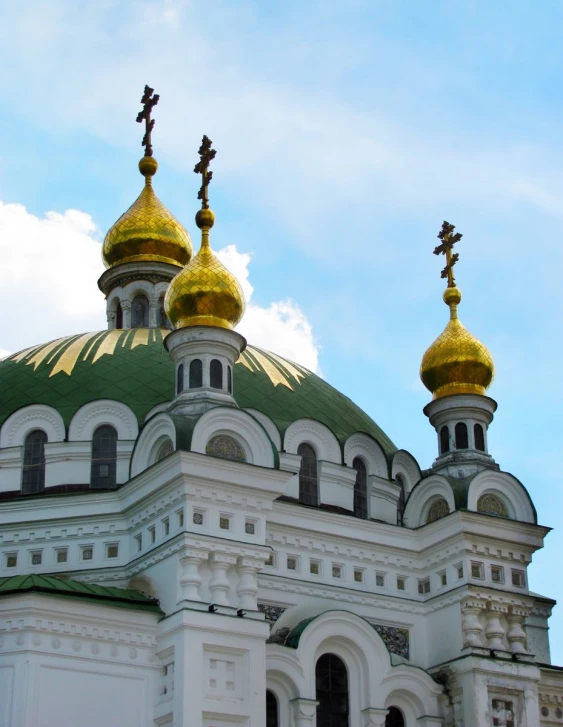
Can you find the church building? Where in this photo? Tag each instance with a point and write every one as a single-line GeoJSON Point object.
{"type": "Point", "coordinates": [196, 532]}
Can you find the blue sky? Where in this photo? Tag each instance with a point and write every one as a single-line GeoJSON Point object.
{"type": "Point", "coordinates": [346, 133]}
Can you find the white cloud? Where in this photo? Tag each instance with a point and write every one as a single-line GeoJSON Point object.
{"type": "Point", "coordinates": [49, 269]}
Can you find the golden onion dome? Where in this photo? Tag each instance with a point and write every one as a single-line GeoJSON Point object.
{"type": "Point", "coordinates": [148, 231]}
{"type": "Point", "coordinates": [457, 362]}
{"type": "Point", "coordinates": [204, 293]}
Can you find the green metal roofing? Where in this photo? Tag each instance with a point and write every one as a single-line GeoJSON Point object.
{"type": "Point", "coordinates": [120, 597]}
{"type": "Point", "coordinates": [133, 367]}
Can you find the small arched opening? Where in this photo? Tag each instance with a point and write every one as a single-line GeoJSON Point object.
{"type": "Point", "coordinates": [360, 488]}
{"type": "Point", "coordinates": [216, 374]}
{"type": "Point", "coordinates": [444, 440]}
{"type": "Point", "coordinates": [180, 379]}
{"type": "Point", "coordinates": [394, 718]}
{"type": "Point", "coordinates": [400, 480]}
{"type": "Point", "coordinates": [196, 374]}
{"type": "Point", "coordinates": [461, 439]}
{"type": "Point", "coordinates": [33, 473]}
{"type": "Point", "coordinates": [103, 472]}
{"type": "Point", "coordinates": [437, 510]}
{"type": "Point", "coordinates": [119, 316]}
{"type": "Point", "coordinates": [163, 321]}
{"type": "Point", "coordinates": [229, 380]}
{"type": "Point", "coordinates": [308, 477]}
{"type": "Point", "coordinates": [479, 436]}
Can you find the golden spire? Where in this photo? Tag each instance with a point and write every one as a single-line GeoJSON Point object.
{"type": "Point", "coordinates": [148, 231]}
{"type": "Point", "coordinates": [204, 293]}
{"type": "Point", "coordinates": [457, 362]}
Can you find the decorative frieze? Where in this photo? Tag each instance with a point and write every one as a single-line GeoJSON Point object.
{"type": "Point", "coordinates": [395, 639]}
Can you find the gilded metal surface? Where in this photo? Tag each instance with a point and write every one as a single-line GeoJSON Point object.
{"type": "Point", "coordinates": [148, 231]}
{"type": "Point", "coordinates": [204, 293]}
{"type": "Point", "coordinates": [70, 355]}
{"type": "Point", "coordinates": [457, 362]}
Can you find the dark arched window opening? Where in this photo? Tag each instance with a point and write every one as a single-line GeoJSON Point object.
{"type": "Point", "coordinates": [163, 321]}
{"type": "Point", "coordinates": [331, 680]}
{"type": "Point", "coordinates": [140, 312]}
{"type": "Point", "coordinates": [444, 440]}
{"type": "Point", "coordinates": [402, 497]}
{"type": "Point", "coordinates": [271, 709]}
{"type": "Point", "coordinates": [308, 480]}
{"type": "Point", "coordinates": [461, 441]}
{"type": "Point", "coordinates": [360, 489]}
{"type": "Point", "coordinates": [229, 380]}
{"type": "Point", "coordinates": [104, 457]}
{"type": "Point", "coordinates": [33, 474]}
{"type": "Point", "coordinates": [394, 718]}
{"type": "Point", "coordinates": [216, 374]}
{"type": "Point", "coordinates": [180, 379]}
{"type": "Point", "coordinates": [196, 374]}
{"type": "Point", "coordinates": [119, 316]}
{"type": "Point", "coordinates": [479, 435]}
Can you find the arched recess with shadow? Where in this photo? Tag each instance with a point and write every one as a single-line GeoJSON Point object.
{"type": "Point", "coordinates": [331, 681]}
{"type": "Point", "coordinates": [394, 718]}
{"type": "Point", "coordinates": [272, 711]}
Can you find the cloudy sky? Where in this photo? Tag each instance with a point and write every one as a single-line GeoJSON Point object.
{"type": "Point", "coordinates": [346, 133]}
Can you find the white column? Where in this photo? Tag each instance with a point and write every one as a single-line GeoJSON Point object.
{"type": "Point", "coordinates": [190, 580]}
{"type": "Point", "coordinates": [304, 712]}
{"type": "Point", "coordinates": [516, 635]}
{"type": "Point", "coordinates": [153, 312]}
{"type": "Point", "coordinates": [494, 630]}
{"type": "Point", "coordinates": [219, 584]}
{"type": "Point", "coordinates": [374, 717]}
{"type": "Point", "coordinates": [471, 625]}
{"type": "Point", "coordinates": [247, 588]}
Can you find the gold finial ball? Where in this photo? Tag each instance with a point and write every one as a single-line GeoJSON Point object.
{"type": "Point", "coordinates": [205, 218]}
{"type": "Point", "coordinates": [452, 296]}
{"type": "Point", "coordinates": [148, 166]}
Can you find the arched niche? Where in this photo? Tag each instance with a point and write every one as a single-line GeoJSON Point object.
{"type": "Point", "coordinates": [310, 431]}
{"type": "Point", "coordinates": [35, 416]}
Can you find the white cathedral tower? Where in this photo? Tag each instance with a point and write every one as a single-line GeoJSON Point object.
{"type": "Point", "coordinates": [198, 533]}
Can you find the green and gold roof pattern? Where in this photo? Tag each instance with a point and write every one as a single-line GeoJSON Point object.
{"type": "Point", "coordinates": [133, 367]}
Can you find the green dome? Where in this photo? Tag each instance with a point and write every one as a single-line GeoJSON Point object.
{"type": "Point", "coordinates": [132, 366]}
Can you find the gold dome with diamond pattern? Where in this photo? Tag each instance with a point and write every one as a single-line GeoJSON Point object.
{"type": "Point", "coordinates": [457, 362]}
{"type": "Point", "coordinates": [148, 231]}
{"type": "Point", "coordinates": [204, 293]}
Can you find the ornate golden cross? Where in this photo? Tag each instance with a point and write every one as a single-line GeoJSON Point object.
{"type": "Point", "coordinates": [148, 102]}
{"type": "Point", "coordinates": [445, 248]}
{"type": "Point", "coordinates": [206, 154]}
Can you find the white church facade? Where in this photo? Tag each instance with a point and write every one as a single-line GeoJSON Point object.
{"type": "Point", "coordinates": [199, 533]}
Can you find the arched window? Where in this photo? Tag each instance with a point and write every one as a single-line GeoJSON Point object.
{"type": "Point", "coordinates": [33, 473]}
{"type": "Point", "coordinates": [119, 316]}
{"type": "Point", "coordinates": [479, 436]}
{"type": "Point", "coordinates": [271, 709]}
{"type": "Point", "coordinates": [402, 497]}
{"type": "Point", "coordinates": [140, 312]}
{"type": "Point", "coordinates": [104, 457]}
{"type": "Point", "coordinates": [196, 374]}
{"type": "Point", "coordinates": [461, 441]}
{"type": "Point", "coordinates": [438, 509]}
{"type": "Point", "coordinates": [308, 480]}
{"type": "Point", "coordinates": [360, 488]}
{"type": "Point", "coordinates": [164, 450]}
{"type": "Point", "coordinates": [492, 505]}
{"type": "Point", "coordinates": [331, 680]}
{"type": "Point", "coordinates": [229, 380]}
{"type": "Point", "coordinates": [180, 379]}
{"type": "Point", "coordinates": [225, 447]}
{"type": "Point", "coordinates": [444, 440]}
{"type": "Point", "coordinates": [163, 321]}
{"type": "Point", "coordinates": [394, 718]}
{"type": "Point", "coordinates": [216, 374]}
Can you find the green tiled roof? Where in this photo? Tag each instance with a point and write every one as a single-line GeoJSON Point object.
{"type": "Point", "coordinates": [120, 597]}
{"type": "Point", "coordinates": [133, 367]}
